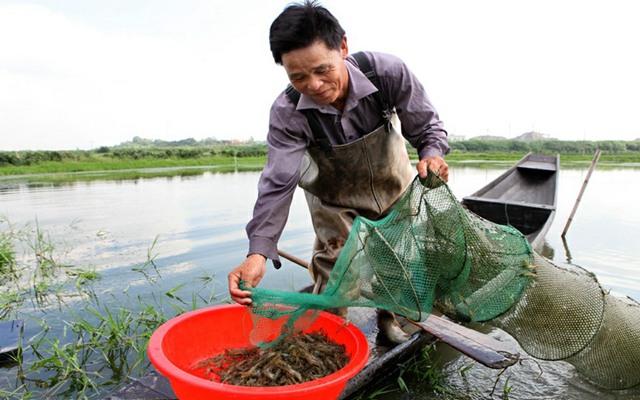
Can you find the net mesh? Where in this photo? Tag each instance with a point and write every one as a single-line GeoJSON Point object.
{"type": "Point", "coordinates": [431, 251]}
{"type": "Point", "coordinates": [566, 315]}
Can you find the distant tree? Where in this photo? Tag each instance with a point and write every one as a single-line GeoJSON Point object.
{"type": "Point", "coordinates": [611, 146]}
{"type": "Point", "coordinates": [137, 140]}
{"type": "Point", "coordinates": [458, 145]}
{"type": "Point", "coordinates": [634, 146]}
{"type": "Point", "coordinates": [518, 146]}
{"type": "Point", "coordinates": [478, 146]}
{"type": "Point", "coordinates": [553, 146]}
{"type": "Point", "coordinates": [211, 141]}
{"type": "Point", "coordinates": [185, 142]}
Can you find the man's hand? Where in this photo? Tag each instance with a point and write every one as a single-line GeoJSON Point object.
{"type": "Point", "coordinates": [251, 270]}
{"type": "Point", "coordinates": [436, 164]}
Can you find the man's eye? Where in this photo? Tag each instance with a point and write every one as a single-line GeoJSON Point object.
{"type": "Point", "coordinates": [322, 71]}
{"type": "Point", "coordinates": [297, 78]}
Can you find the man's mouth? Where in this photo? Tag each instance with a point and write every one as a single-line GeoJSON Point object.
{"type": "Point", "coordinates": [322, 94]}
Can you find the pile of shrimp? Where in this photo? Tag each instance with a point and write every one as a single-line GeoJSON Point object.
{"type": "Point", "coordinates": [296, 359]}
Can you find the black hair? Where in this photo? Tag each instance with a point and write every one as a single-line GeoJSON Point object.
{"type": "Point", "coordinates": [300, 25]}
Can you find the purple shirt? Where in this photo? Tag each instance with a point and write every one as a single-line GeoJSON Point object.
{"type": "Point", "coordinates": [289, 135]}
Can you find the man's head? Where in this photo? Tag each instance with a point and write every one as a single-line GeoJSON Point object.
{"type": "Point", "coordinates": [300, 25]}
{"type": "Point", "coordinates": [310, 43]}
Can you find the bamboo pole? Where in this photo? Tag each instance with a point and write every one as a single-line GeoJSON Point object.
{"type": "Point", "coordinates": [293, 259]}
{"type": "Point", "coordinates": [584, 186]}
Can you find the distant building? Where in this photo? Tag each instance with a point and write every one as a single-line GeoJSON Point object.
{"type": "Point", "coordinates": [526, 137]}
{"type": "Point", "coordinates": [532, 136]}
{"type": "Point", "coordinates": [489, 137]}
{"type": "Point", "coordinates": [456, 138]}
{"type": "Point", "coordinates": [234, 142]}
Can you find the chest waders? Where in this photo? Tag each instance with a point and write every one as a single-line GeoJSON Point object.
{"type": "Point", "coordinates": [361, 178]}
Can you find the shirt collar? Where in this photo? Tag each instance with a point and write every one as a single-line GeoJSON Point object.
{"type": "Point", "coordinates": [359, 87]}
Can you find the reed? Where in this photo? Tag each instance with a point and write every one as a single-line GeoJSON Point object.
{"type": "Point", "coordinates": [8, 237]}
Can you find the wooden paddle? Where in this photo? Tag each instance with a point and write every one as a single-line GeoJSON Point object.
{"type": "Point", "coordinates": [482, 348]}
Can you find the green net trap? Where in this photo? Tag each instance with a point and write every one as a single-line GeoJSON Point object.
{"type": "Point", "coordinates": [431, 251]}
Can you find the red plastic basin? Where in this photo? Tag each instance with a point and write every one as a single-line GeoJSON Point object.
{"type": "Point", "coordinates": [183, 341]}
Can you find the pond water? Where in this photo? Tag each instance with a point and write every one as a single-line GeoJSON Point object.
{"type": "Point", "coordinates": [176, 238]}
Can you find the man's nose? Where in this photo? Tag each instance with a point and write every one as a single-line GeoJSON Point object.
{"type": "Point", "coordinates": [314, 83]}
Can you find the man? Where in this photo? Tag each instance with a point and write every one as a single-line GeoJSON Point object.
{"type": "Point", "coordinates": [352, 162]}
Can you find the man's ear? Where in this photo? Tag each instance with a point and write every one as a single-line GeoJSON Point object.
{"type": "Point", "coordinates": [344, 49]}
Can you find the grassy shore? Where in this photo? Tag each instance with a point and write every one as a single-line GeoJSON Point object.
{"type": "Point", "coordinates": [101, 163]}
{"type": "Point", "coordinates": [569, 158]}
{"type": "Point", "coordinates": [129, 166]}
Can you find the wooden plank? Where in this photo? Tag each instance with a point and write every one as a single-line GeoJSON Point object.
{"type": "Point", "coordinates": [521, 203]}
{"type": "Point", "coordinates": [539, 161]}
{"type": "Point", "coordinates": [484, 349]}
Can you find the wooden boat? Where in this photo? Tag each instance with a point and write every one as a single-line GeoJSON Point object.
{"type": "Point", "coordinates": [524, 197]}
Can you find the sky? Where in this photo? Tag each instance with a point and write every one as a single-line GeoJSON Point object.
{"type": "Point", "coordinates": [77, 74]}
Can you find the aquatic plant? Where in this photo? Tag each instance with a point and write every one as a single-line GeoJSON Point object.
{"type": "Point", "coordinates": [7, 248]}
{"type": "Point", "coordinates": [78, 343]}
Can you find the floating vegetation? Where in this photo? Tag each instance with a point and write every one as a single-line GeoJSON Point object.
{"type": "Point", "coordinates": [299, 358]}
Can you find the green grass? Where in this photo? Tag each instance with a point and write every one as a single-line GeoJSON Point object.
{"type": "Point", "coordinates": [100, 162]}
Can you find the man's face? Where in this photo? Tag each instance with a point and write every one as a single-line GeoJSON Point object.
{"type": "Point", "coordinates": [319, 72]}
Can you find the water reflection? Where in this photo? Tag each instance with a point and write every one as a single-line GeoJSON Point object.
{"type": "Point", "coordinates": [547, 251]}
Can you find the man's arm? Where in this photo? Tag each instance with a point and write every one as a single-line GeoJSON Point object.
{"type": "Point", "coordinates": [275, 193]}
{"type": "Point", "coordinates": [421, 125]}
{"type": "Point", "coordinates": [278, 181]}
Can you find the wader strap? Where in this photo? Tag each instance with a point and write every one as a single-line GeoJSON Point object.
{"type": "Point", "coordinates": [316, 128]}
{"type": "Point", "coordinates": [365, 67]}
